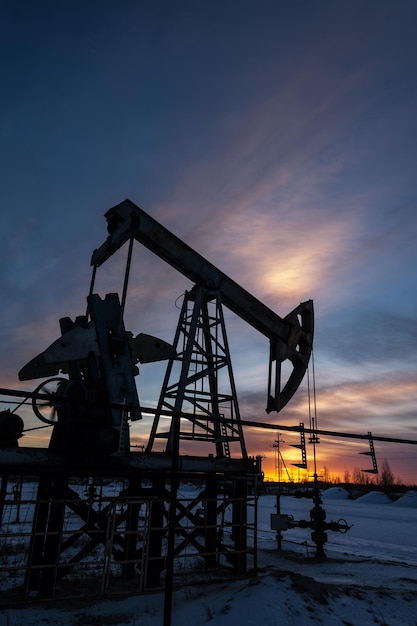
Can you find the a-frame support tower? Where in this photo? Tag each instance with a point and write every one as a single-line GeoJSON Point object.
{"type": "Point", "coordinates": [199, 384]}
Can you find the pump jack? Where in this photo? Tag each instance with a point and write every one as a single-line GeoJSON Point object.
{"type": "Point", "coordinates": [91, 396]}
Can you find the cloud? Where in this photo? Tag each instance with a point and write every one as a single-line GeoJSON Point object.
{"type": "Point", "coordinates": [369, 336]}
{"type": "Point", "coordinates": [380, 403]}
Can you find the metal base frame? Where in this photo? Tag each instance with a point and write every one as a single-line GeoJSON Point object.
{"type": "Point", "coordinates": [94, 534]}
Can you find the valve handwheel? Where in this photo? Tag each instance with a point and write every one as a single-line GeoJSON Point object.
{"type": "Point", "coordinates": [44, 403]}
{"type": "Point", "coordinates": [343, 526]}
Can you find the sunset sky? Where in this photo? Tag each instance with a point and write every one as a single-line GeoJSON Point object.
{"type": "Point", "coordinates": [276, 138]}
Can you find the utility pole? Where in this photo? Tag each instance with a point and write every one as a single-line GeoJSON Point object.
{"type": "Point", "coordinates": [276, 445]}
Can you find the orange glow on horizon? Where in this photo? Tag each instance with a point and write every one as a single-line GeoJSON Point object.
{"type": "Point", "coordinates": [336, 459]}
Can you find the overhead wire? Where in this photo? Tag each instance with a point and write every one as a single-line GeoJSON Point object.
{"type": "Point", "coordinates": [249, 423]}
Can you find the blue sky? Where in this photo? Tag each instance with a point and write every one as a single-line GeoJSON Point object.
{"type": "Point", "coordinates": [278, 139]}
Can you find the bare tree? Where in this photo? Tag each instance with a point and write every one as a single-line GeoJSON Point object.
{"type": "Point", "coordinates": [386, 478]}
{"type": "Point", "coordinates": [359, 477]}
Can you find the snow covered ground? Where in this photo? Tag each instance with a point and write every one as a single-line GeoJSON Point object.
{"type": "Point", "coordinates": [369, 576]}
